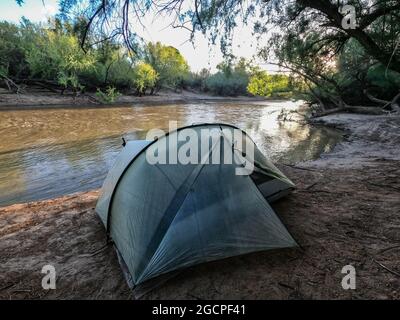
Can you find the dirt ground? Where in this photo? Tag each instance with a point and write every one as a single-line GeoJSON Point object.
{"type": "Point", "coordinates": [39, 98]}
{"type": "Point", "coordinates": [345, 210]}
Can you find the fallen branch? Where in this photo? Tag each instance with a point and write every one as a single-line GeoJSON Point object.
{"type": "Point", "coordinates": [94, 99]}
{"type": "Point", "coordinates": [7, 286]}
{"type": "Point", "coordinates": [311, 185]}
{"type": "Point", "coordinates": [364, 110]}
{"type": "Point", "coordinates": [286, 286]}
{"type": "Point", "coordinates": [96, 252]}
{"type": "Point", "coordinates": [22, 290]}
{"type": "Point", "coordinates": [386, 268]}
{"type": "Point", "coordinates": [387, 249]}
{"type": "Point", "coordinates": [10, 84]}
{"type": "Point", "coordinates": [324, 191]}
{"type": "Point", "coordinates": [328, 111]}
{"type": "Point", "coordinates": [300, 168]}
{"type": "Point", "coordinates": [99, 250]}
{"type": "Point", "coordinates": [352, 109]}
{"type": "Point", "coordinates": [45, 86]}
{"type": "Point", "coordinates": [374, 99]}
{"type": "Point", "coordinates": [393, 103]}
{"type": "Point", "coordinates": [383, 186]}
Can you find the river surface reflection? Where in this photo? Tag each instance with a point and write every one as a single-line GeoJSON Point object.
{"type": "Point", "coordinates": [46, 153]}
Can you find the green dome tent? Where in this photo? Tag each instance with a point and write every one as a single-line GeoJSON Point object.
{"type": "Point", "coordinates": [164, 217]}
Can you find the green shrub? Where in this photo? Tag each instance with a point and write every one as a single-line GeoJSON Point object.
{"type": "Point", "coordinates": [263, 84]}
{"type": "Point", "coordinates": [169, 64]}
{"type": "Point", "coordinates": [223, 85]}
{"type": "Point", "coordinates": [109, 96]}
{"type": "Point", "coordinates": [145, 77]}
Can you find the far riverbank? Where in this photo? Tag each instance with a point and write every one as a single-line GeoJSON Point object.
{"type": "Point", "coordinates": [34, 100]}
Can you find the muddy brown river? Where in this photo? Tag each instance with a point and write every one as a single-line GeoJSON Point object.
{"type": "Point", "coordinates": [46, 153]}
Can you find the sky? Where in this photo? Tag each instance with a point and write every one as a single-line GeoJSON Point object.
{"type": "Point", "coordinates": [198, 54]}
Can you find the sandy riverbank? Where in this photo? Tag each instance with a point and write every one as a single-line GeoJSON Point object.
{"type": "Point", "coordinates": [346, 210]}
{"type": "Point", "coordinates": [51, 100]}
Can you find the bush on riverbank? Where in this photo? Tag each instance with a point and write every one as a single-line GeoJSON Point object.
{"type": "Point", "coordinates": [51, 56]}
{"type": "Point", "coordinates": [239, 77]}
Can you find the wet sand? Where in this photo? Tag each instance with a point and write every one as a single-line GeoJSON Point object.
{"type": "Point", "coordinates": [345, 210]}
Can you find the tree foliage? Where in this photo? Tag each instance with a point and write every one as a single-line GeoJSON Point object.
{"type": "Point", "coordinates": [52, 54]}
{"type": "Point", "coordinates": [12, 55]}
{"type": "Point", "coordinates": [170, 65]}
{"type": "Point", "coordinates": [57, 55]}
{"type": "Point", "coordinates": [109, 96]}
{"type": "Point", "coordinates": [308, 38]}
{"type": "Point", "coordinates": [221, 17]}
{"type": "Point", "coordinates": [263, 84]}
{"type": "Point", "coordinates": [231, 79]}
{"type": "Point", "coordinates": [337, 65]}
{"type": "Point", "coordinates": [145, 77]}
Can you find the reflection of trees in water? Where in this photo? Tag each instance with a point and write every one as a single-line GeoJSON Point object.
{"type": "Point", "coordinates": [310, 146]}
{"type": "Point", "coordinates": [83, 159]}
{"type": "Point", "coordinates": [292, 141]}
{"type": "Point", "coordinates": [44, 172]}
{"type": "Point", "coordinates": [230, 113]}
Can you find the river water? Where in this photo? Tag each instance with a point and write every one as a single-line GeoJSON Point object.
{"type": "Point", "coordinates": [46, 153]}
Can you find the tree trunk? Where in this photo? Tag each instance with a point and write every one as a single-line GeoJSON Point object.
{"type": "Point", "coordinates": [373, 49]}
{"type": "Point", "coordinates": [11, 85]}
{"type": "Point", "coordinates": [393, 103]}
{"type": "Point", "coordinates": [333, 14]}
{"type": "Point", "coordinates": [352, 109]}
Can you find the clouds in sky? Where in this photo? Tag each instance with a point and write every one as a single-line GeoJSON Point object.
{"type": "Point", "coordinates": [35, 10]}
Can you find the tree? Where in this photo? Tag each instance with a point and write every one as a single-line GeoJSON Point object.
{"type": "Point", "coordinates": [231, 79]}
{"type": "Point", "coordinates": [12, 55]}
{"type": "Point", "coordinates": [221, 17]}
{"type": "Point", "coordinates": [309, 39]}
{"type": "Point", "coordinates": [54, 54]}
{"type": "Point", "coordinates": [169, 64]}
{"type": "Point", "coordinates": [49, 55]}
{"type": "Point", "coordinates": [145, 77]}
{"type": "Point", "coordinates": [263, 84]}
{"type": "Point", "coordinates": [197, 80]}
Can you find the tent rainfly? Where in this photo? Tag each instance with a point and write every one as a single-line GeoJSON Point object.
{"type": "Point", "coordinates": [165, 217]}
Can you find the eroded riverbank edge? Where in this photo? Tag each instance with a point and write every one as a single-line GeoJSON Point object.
{"type": "Point", "coordinates": [345, 210]}
{"type": "Point", "coordinates": [23, 101]}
